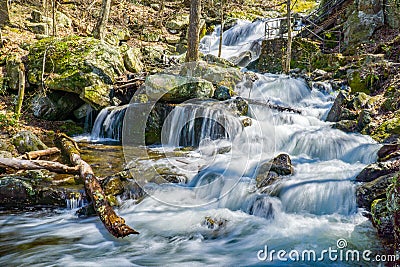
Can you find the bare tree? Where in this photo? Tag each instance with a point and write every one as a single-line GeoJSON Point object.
{"type": "Point", "coordinates": [192, 53]}
{"type": "Point", "coordinates": [221, 32]}
{"type": "Point", "coordinates": [289, 41]}
{"type": "Point", "coordinates": [99, 31]}
{"type": "Point", "coordinates": [4, 13]}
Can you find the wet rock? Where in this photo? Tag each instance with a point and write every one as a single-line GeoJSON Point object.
{"type": "Point", "coordinates": [20, 192]}
{"type": "Point", "coordinates": [242, 60]}
{"type": "Point", "coordinates": [375, 170]}
{"type": "Point", "coordinates": [370, 191]}
{"type": "Point", "coordinates": [347, 126]}
{"type": "Point", "coordinates": [247, 122]}
{"type": "Point", "coordinates": [319, 75]}
{"type": "Point", "coordinates": [382, 219]}
{"type": "Point", "coordinates": [155, 122]}
{"type": "Point", "coordinates": [26, 141]}
{"type": "Point", "coordinates": [55, 106]}
{"type": "Point", "coordinates": [393, 205]}
{"type": "Point", "coordinates": [269, 172]}
{"type": "Point", "coordinates": [262, 207]}
{"type": "Point", "coordinates": [80, 65]}
{"type": "Point", "coordinates": [339, 111]}
{"type": "Point", "coordinates": [364, 119]}
{"type": "Point", "coordinates": [38, 28]}
{"type": "Point", "coordinates": [177, 89]}
{"type": "Point", "coordinates": [222, 93]}
{"type": "Point", "coordinates": [214, 223]}
{"type": "Point", "coordinates": [389, 151]}
{"type": "Point", "coordinates": [241, 105]}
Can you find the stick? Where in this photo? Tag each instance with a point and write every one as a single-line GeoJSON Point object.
{"type": "Point", "coordinates": [39, 153]}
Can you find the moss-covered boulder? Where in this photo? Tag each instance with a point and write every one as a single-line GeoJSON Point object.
{"type": "Point", "coordinates": [387, 129]}
{"type": "Point", "coordinates": [393, 205]}
{"type": "Point", "coordinates": [339, 110]}
{"type": "Point", "coordinates": [84, 66]}
{"type": "Point", "coordinates": [179, 22]}
{"type": "Point", "coordinates": [376, 170]}
{"type": "Point", "coordinates": [177, 89]}
{"type": "Point", "coordinates": [26, 141]}
{"type": "Point", "coordinates": [382, 219]}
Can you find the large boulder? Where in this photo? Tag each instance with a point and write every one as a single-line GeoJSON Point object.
{"type": "Point", "coordinates": [55, 105]}
{"type": "Point", "coordinates": [177, 89]}
{"type": "Point", "coordinates": [26, 141]}
{"type": "Point", "coordinates": [84, 66]}
{"type": "Point", "coordinates": [216, 74]}
{"type": "Point", "coordinates": [339, 110]}
{"type": "Point", "coordinates": [270, 172]}
{"type": "Point", "coordinates": [178, 23]}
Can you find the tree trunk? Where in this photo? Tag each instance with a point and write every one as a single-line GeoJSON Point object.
{"type": "Point", "coordinates": [221, 32]}
{"type": "Point", "coordinates": [192, 53]}
{"type": "Point", "coordinates": [53, 12]}
{"type": "Point", "coordinates": [114, 224]}
{"type": "Point", "coordinates": [39, 153]}
{"type": "Point", "coordinates": [4, 13]}
{"type": "Point", "coordinates": [161, 13]}
{"type": "Point", "coordinates": [289, 42]}
{"type": "Point", "coordinates": [21, 164]}
{"type": "Point", "coordinates": [21, 90]}
{"type": "Point", "coordinates": [99, 31]}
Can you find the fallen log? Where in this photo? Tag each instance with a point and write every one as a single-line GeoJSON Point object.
{"type": "Point", "coordinates": [22, 164]}
{"type": "Point", "coordinates": [114, 224]}
{"type": "Point", "coordinates": [39, 153]}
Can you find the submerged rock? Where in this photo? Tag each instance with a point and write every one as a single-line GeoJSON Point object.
{"type": "Point", "coordinates": [269, 172]}
{"type": "Point", "coordinates": [26, 141]}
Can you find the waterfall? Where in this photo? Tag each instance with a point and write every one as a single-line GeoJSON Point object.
{"type": "Point", "coordinates": [189, 124]}
{"type": "Point", "coordinates": [108, 124]}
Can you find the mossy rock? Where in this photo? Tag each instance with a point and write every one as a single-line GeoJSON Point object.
{"type": "Point", "coordinates": [382, 218]}
{"type": "Point", "coordinates": [356, 83]}
{"type": "Point", "coordinates": [75, 63]}
{"type": "Point", "coordinates": [26, 141]}
{"type": "Point", "coordinates": [387, 129]}
{"type": "Point", "coordinates": [176, 89]}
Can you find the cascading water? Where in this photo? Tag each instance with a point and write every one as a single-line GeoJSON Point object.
{"type": "Point", "coordinates": [311, 209]}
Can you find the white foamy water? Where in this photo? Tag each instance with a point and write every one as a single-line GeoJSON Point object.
{"type": "Point", "coordinates": [311, 209]}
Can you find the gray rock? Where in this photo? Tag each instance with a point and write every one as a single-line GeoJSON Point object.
{"type": "Point", "coordinates": [132, 59]}
{"type": "Point", "coordinates": [55, 106]}
{"type": "Point", "coordinates": [222, 93]}
{"type": "Point", "coordinates": [179, 22]}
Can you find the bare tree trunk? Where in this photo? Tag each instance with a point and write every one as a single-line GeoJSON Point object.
{"type": "Point", "coordinates": [192, 53]}
{"type": "Point", "coordinates": [99, 31]}
{"type": "Point", "coordinates": [114, 224]}
{"type": "Point", "coordinates": [4, 13]}
{"type": "Point", "coordinates": [21, 89]}
{"type": "Point", "coordinates": [221, 32]}
{"type": "Point", "coordinates": [53, 11]}
{"type": "Point", "coordinates": [22, 164]}
{"type": "Point", "coordinates": [289, 42]}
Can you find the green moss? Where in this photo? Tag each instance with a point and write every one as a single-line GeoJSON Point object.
{"type": "Point", "coordinates": [387, 129]}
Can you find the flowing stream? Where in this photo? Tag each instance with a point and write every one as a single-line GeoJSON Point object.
{"type": "Point", "coordinates": [310, 210]}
